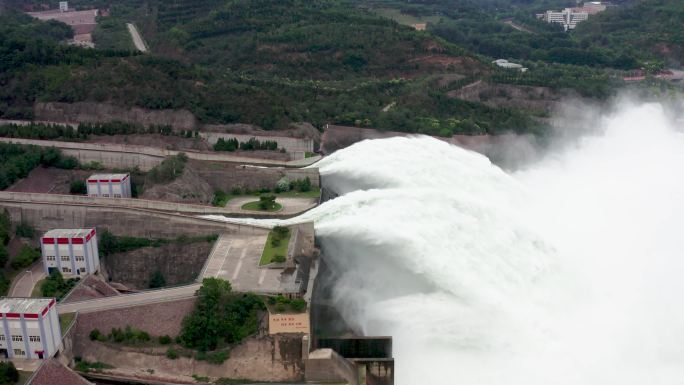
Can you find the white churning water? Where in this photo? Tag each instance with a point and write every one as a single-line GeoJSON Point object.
{"type": "Point", "coordinates": [570, 272]}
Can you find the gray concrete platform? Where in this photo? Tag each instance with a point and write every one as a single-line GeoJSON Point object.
{"type": "Point", "coordinates": [235, 258]}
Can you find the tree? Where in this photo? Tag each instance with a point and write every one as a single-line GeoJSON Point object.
{"type": "Point", "coordinates": [4, 256]}
{"type": "Point", "coordinates": [8, 373]}
{"type": "Point", "coordinates": [27, 255]}
{"type": "Point", "coordinates": [267, 202]}
{"type": "Point", "coordinates": [5, 227]}
{"type": "Point", "coordinates": [25, 230]}
{"type": "Point", "coordinates": [78, 187]}
{"type": "Point", "coordinates": [220, 316]}
{"type": "Point", "coordinates": [157, 280]}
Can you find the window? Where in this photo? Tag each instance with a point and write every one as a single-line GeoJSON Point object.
{"type": "Point", "coordinates": [117, 195]}
{"type": "Point", "coordinates": [2, 337]}
{"type": "Point", "coordinates": [34, 338]}
{"type": "Point", "coordinates": [66, 270]}
{"type": "Point", "coordinates": [82, 270]}
{"type": "Point", "coordinates": [17, 338]}
{"type": "Point", "coordinates": [79, 258]}
{"type": "Point", "coordinates": [19, 352]}
{"type": "Point", "coordinates": [65, 258]}
{"type": "Point", "coordinates": [50, 258]}
{"type": "Point", "coordinates": [105, 195]}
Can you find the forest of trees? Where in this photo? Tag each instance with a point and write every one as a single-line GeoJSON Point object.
{"type": "Point", "coordinates": [276, 62]}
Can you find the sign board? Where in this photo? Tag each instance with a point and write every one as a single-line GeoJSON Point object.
{"type": "Point", "coordinates": [288, 323]}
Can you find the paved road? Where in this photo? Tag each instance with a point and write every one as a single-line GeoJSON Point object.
{"type": "Point", "coordinates": [23, 284]}
{"type": "Point", "coordinates": [291, 206]}
{"type": "Point", "coordinates": [137, 39]}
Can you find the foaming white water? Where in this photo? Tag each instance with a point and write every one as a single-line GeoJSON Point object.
{"type": "Point", "coordinates": [566, 273]}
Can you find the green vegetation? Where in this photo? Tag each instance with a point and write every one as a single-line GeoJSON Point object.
{"type": "Point", "coordinates": [252, 144]}
{"type": "Point", "coordinates": [220, 198]}
{"type": "Point", "coordinates": [265, 203]}
{"type": "Point", "coordinates": [78, 187]}
{"type": "Point", "coordinates": [169, 169]}
{"type": "Point", "coordinates": [165, 339]}
{"type": "Point", "coordinates": [9, 375]}
{"type": "Point", "coordinates": [264, 62]}
{"type": "Point", "coordinates": [25, 230]}
{"type": "Point", "coordinates": [56, 286]}
{"type": "Point", "coordinates": [27, 255]}
{"type": "Point", "coordinates": [283, 304]}
{"type": "Point", "coordinates": [85, 366]}
{"type": "Point", "coordinates": [157, 280]}
{"type": "Point", "coordinates": [65, 320]}
{"type": "Point", "coordinates": [111, 244]}
{"type": "Point", "coordinates": [16, 161]}
{"type": "Point", "coordinates": [127, 336]}
{"type": "Point", "coordinates": [275, 249]}
{"type": "Point", "coordinates": [220, 318]}
{"type": "Point", "coordinates": [171, 353]}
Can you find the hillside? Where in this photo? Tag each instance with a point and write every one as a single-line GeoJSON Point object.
{"type": "Point", "coordinates": [265, 62]}
{"type": "Point", "coordinates": [648, 29]}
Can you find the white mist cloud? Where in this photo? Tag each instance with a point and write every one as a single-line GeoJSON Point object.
{"type": "Point", "coordinates": [569, 272]}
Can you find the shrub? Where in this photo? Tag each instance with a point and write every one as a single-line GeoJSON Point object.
{"type": "Point", "coordinates": [281, 231]}
{"type": "Point", "coordinates": [267, 202]}
{"type": "Point", "coordinates": [298, 304]}
{"type": "Point", "coordinates": [25, 230]}
{"type": "Point", "coordinates": [171, 353]}
{"type": "Point", "coordinates": [157, 280]}
{"type": "Point", "coordinates": [78, 187]}
{"type": "Point", "coordinates": [279, 259]}
{"type": "Point", "coordinates": [165, 340]}
{"type": "Point", "coordinates": [218, 357]}
{"type": "Point", "coordinates": [280, 307]}
{"type": "Point", "coordinates": [95, 335]}
{"type": "Point", "coordinates": [8, 373]}
{"type": "Point", "coordinates": [220, 198]}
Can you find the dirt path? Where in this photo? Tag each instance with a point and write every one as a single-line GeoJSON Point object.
{"type": "Point", "coordinates": [137, 39]}
{"type": "Point", "coordinates": [517, 26]}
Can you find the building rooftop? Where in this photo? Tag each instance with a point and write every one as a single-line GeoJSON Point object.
{"type": "Point", "coordinates": [24, 305]}
{"type": "Point", "coordinates": [108, 177]}
{"type": "Point", "coordinates": [67, 233]}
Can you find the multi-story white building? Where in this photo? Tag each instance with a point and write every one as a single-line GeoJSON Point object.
{"type": "Point", "coordinates": [30, 328]}
{"type": "Point", "coordinates": [567, 17]}
{"type": "Point", "coordinates": [70, 251]}
{"type": "Point", "coordinates": [109, 185]}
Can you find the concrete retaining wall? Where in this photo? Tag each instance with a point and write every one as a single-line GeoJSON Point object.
{"type": "Point", "coordinates": [123, 156]}
{"type": "Point", "coordinates": [48, 215]}
{"type": "Point", "coordinates": [171, 207]}
{"type": "Point", "coordinates": [289, 144]}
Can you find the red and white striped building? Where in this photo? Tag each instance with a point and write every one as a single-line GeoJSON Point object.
{"type": "Point", "coordinates": [29, 328]}
{"type": "Point", "coordinates": [109, 185]}
{"type": "Point", "coordinates": [70, 251]}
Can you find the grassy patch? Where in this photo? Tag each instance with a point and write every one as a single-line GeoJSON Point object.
{"type": "Point", "coordinates": [313, 193]}
{"type": "Point", "coordinates": [276, 245]}
{"type": "Point", "coordinates": [403, 18]}
{"type": "Point", "coordinates": [65, 320]}
{"type": "Point", "coordinates": [254, 206]}
{"type": "Point", "coordinates": [37, 292]}
{"type": "Point", "coordinates": [23, 377]}
{"type": "Point", "coordinates": [85, 366]}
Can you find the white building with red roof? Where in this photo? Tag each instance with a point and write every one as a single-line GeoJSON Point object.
{"type": "Point", "coordinates": [72, 252]}
{"type": "Point", "coordinates": [29, 328]}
